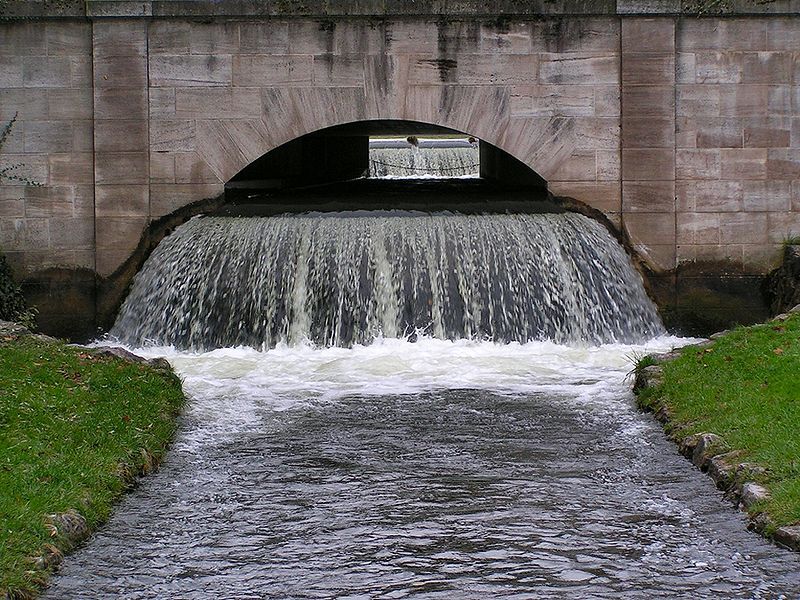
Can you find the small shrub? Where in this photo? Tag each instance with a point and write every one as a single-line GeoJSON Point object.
{"type": "Point", "coordinates": [12, 302]}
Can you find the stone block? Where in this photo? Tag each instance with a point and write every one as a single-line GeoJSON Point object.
{"type": "Point", "coordinates": [722, 33]}
{"type": "Point", "coordinates": [697, 228]}
{"type": "Point", "coordinates": [172, 135]}
{"type": "Point", "coordinates": [595, 35]}
{"type": "Point", "coordinates": [779, 99]}
{"type": "Point", "coordinates": [119, 233]}
{"type": "Point", "coordinates": [46, 72]}
{"type": "Point", "coordinates": [117, 135]}
{"type": "Point", "coordinates": [24, 234]}
{"type": "Point", "coordinates": [648, 69]}
{"type": "Point", "coordinates": [653, 230]}
{"type": "Point", "coordinates": [648, 35]}
{"type": "Point", "coordinates": [783, 33]}
{"type": "Point", "coordinates": [603, 196]}
{"type": "Point", "coordinates": [782, 226]}
{"type": "Point", "coordinates": [120, 72]}
{"type": "Point", "coordinates": [403, 37]}
{"type": "Point", "coordinates": [72, 168]}
{"type": "Point", "coordinates": [743, 228]}
{"type": "Point", "coordinates": [698, 100]}
{"type": "Point", "coordinates": [553, 100]}
{"type": "Point", "coordinates": [191, 168]}
{"type": "Point", "coordinates": [648, 132]}
{"type": "Point", "coordinates": [119, 38]}
{"type": "Point", "coordinates": [685, 67]}
{"type": "Point", "coordinates": [71, 233]}
{"type": "Point", "coordinates": [796, 196]}
{"type": "Point", "coordinates": [763, 196]}
{"type": "Point", "coordinates": [648, 101]}
{"type": "Point", "coordinates": [271, 37]}
{"type": "Point", "coordinates": [120, 103]}
{"type": "Point", "coordinates": [165, 199]}
{"type": "Point", "coordinates": [366, 37]}
{"type": "Point", "coordinates": [216, 38]}
{"type": "Point", "coordinates": [767, 67]}
{"type": "Point", "coordinates": [581, 165]}
{"type": "Point", "coordinates": [22, 39]}
{"type": "Point", "coordinates": [719, 67]}
{"type": "Point", "coordinates": [11, 72]}
{"type": "Point", "coordinates": [709, 196]}
{"type": "Point", "coordinates": [126, 200]}
{"type": "Point", "coordinates": [162, 167]}
{"type": "Point", "coordinates": [110, 259]}
{"type": "Point", "coordinates": [606, 101]}
{"type": "Point", "coordinates": [339, 70]}
{"type": "Point", "coordinates": [761, 258]}
{"type": "Point", "coordinates": [80, 71]}
{"type": "Point", "coordinates": [67, 103]}
{"type": "Point", "coordinates": [50, 201]}
{"type": "Point", "coordinates": [12, 202]}
{"type": "Point", "coordinates": [513, 38]}
{"type": "Point", "coordinates": [272, 70]}
{"type": "Point", "coordinates": [578, 68]}
{"type": "Point", "coordinates": [190, 70]}
{"type": "Point", "coordinates": [719, 133]}
{"type": "Point", "coordinates": [162, 102]}
{"type": "Point", "coordinates": [121, 167]}
{"type": "Point", "coordinates": [596, 133]}
{"type": "Point", "coordinates": [609, 167]}
{"type": "Point", "coordinates": [25, 104]}
{"type": "Point", "coordinates": [66, 38]}
{"type": "Point", "coordinates": [218, 103]}
{"type": "Point", "coordinates": [783, 163]}
{"type": "Point", "coordinates": [168, 37]}
{"type": "Point", "coordinates": [648, 196]}
{"type": "Point", "coordinates": [743, 100]}
{"type": "Point", "coordinates": [303, 37]}
{"type": "Point", "coordinates": [765, 136]}
{"type": "Point", "coordinates": [697, 164]}
{"type": "Point", "coordinates": [648, 164]}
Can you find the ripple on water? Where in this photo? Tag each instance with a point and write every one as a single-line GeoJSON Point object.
{"type": "Point", "coordinates": [297, 474]}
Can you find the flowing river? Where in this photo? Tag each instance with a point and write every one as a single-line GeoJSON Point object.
{"type": "Point", "coordinates": [411, 405]}
{"type": "Point", "coordinates": [434, 470]}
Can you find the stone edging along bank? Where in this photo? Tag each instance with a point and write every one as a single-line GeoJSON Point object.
{"type": "Point", "coordinates": [711, 454]}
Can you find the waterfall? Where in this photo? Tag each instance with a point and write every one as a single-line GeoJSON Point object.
{"type": "Point", "coordinates": [340, 279]}
{"type": "Point", "coordinates": [428, 158]}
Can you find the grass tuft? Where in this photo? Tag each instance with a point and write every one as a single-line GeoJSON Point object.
{"type": "Point", "coordinates": [746, 389]}
{"type": "Point", "coordinates": [75, 429]}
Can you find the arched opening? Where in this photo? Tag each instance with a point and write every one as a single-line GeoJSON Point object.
{"type": "Point", "coordinates": [346, 166]}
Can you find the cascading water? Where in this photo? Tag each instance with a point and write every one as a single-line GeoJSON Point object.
{"type": "Point", "coordinates": [454, 468]}
{"type": "Point", "coordinates": [427, 158]}
{"type": "Point", "coordinates": [347, 278]}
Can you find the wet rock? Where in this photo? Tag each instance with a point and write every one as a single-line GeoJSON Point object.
{"type": "Point", "coordinates": [70, 525]}
{"type": "Point", "coordinates": [705, 447]}
{"type": "Point", "coordinates": [745, 471]}
{"type": "Point", "coordinates": [788, 536]}
{"type": "Point", "coordinates": [719, 334]}
{"type": "Point", "coordinates": [11, 329]}
{"type": "Point", "coordinates": [648, 377]}
{"type": "Point", "coordinates": [156, 363]}
{"type": "Point", "coordinates": [752, 493]}
{"type": "Point", "coordinates": [722, 469]}
{"type": "Point", "coordinates": [795, 309]}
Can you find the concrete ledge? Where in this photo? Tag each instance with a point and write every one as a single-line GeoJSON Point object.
{"type": "Point", "coordinates": [21, 9]}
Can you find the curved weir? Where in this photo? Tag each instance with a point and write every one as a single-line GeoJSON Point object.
{"type": "Point", "coordinates": [499, 456]}
{"type": "Point", "coordinates": [348, 278]}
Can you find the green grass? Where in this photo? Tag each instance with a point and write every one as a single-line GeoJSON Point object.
{"type": "Point", "coordinates": [746, 388]}
{"type": "Point", "coordinates": [75, 429]}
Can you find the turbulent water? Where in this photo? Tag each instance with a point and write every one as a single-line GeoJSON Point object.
{"type": "Point", "coordinates": [397, 158]}
{"type": "Point", "coordinates": [328, 457]}
{"type": "Point", "coordinates": [458, 470]}
{"type": "Point", "coordinates": [346, 278]}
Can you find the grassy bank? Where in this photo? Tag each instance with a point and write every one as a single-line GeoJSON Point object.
{"type": "Point", "coordinates": [746, 388]}
{"type": "Point", "coordinates": [75, 430]}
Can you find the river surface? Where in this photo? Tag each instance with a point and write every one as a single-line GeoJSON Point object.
{"type": "Point", "coordinates": [432, 470]}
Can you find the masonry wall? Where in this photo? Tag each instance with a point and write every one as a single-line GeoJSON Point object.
{"type": "Point", "coordinates": [684, 132]}
{"type": "Point", "coordinates": [46, 81]}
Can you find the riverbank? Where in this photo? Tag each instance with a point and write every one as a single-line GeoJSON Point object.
{"type": "Point", "coordinates": [77, 426]}
{"type": "Point", "coordinates": [733, 406]}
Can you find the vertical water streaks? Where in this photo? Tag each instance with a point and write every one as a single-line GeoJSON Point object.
{"type": "Point", "coordinates": [346, 278]}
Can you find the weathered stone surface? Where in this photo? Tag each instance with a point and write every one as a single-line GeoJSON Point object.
{"type": "Point", "coordinates": [707, 446]}
{"type": "Point", "coordinates": [752, 493]}
{"type": "Point", "coordinates": [788, 536]}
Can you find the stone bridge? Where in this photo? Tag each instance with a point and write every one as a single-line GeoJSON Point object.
{"type": "Point", "coordinates": [683, 130]}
